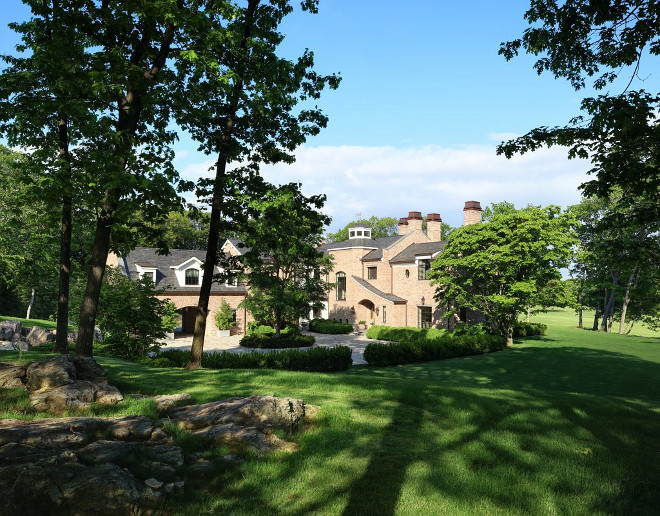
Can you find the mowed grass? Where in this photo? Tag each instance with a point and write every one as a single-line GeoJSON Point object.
{"type": "Point", "coordinates": [563, 424]}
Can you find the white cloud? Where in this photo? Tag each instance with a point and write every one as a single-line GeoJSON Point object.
{"type": "Point", "coordinates": [388, 181]}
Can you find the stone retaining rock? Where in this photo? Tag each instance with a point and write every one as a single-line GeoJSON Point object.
{"type": "Point", "coordinates": [118, 465]}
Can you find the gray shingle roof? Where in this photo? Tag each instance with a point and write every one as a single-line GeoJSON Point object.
{"type": "Point", "coordinates": [165, 276]}
{"type": "Point", "coordinates": [380, 293]}
{"type": "Point", "coordinates": [367, 243]}
{"type": "Point", "coordinates": [425, 249]}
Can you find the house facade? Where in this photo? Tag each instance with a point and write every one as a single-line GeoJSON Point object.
{"type": "Point", "coordinates": [179, 275]}
{"type": "Point", "coordinates": [376, 280]}
{"type": "Point", "coordinates": [385, 280]}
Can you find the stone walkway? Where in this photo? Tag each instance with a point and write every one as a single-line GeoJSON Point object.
{"type": "Point", "coordinates": [357, 342]}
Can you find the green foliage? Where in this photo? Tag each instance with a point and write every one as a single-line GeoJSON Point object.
{"type": "Point", "coordinates": [525, 329]}
{"type": "Point", "coordinates": [619, 132]}
{"type": "Point", "coordinates": [329, 326]}
{"type": "Point", "coordinates": [319, 359]}
{"type": "Point", "coordinates": [130, 317]}
{"type": "Point", "coordinates": [380, 227]}
{"type": "Point", "coordinates": [263, 329]}
{"type": "Point", "coordinates": [427, 349]}
{"type": "Point", "coordinates": [403, 333]}
{"type": "Point", "coordinates": [499, 267]}
{"type": "Point", "coordinates": [269, 341]}
{"type": "Point", "coordinates": [224, 317]}
{"type": "Point", "coordinates": [284, 268]}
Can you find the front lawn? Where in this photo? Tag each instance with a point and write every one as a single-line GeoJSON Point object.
{"type": "Point", "coordinates": [562, 424]}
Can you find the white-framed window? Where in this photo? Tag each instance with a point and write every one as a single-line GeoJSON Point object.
{"type": "Point", "coordinates": [192, 276]}
{"type": "Point", "coordinates": [150, 275]}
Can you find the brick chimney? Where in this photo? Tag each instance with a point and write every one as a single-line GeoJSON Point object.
{"type": "Point", "coordinates": [403, 226]}
{"type": "Point", "coordinates": [414, 221]}
{"type": "Point", "coordinates": [472, 212]}
{"type": "Point", "coordinates": [434, 227]}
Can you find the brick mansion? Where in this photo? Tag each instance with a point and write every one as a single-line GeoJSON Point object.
{"type": "Point", "coordinates": [376, 280]}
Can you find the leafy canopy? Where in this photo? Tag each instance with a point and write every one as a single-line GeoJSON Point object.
{"type": "Point", "coordinates": [285, 270]}
{"type": "Point", "coordinates": [499, 267]}
{"type": "Point", "coordinates": [601, 40]}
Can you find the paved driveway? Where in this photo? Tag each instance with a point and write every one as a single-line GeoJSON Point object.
{"type": "Point", "coordinates": [357, 343]}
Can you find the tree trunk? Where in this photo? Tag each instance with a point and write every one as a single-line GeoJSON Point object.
{"type": "Point", "coordinates": [596, 317]}
{"type": "Point", "coordinates": [95, 277]}
{"type": "Point", "coordinates": [579, 300]}
{"type": "Point", "coordinates": [608, 310]}
{"type": "Point", "coordinates": [62, 335]}
{"type": "Point", "coordinates": [626, 300]}
{"type": "Point", "coordinates": [30, 304]}
{"type": "Point", "coordinates": [218, 205]}
{"type": "Point", "coordinates": [509, 337]}
{"type": "Point", "coordinates": [278, 324]}
{"type": "Point", "coordinates": [209, 266]}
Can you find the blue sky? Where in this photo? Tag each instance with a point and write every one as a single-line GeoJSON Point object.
{"type": "Point", "coordinates": [423, 102]}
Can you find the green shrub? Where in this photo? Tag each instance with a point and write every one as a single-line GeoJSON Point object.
{"type": "Point", "coordinates": [314, 359]}
{"type": "Point", "coordinates": [403, 333]}
{"type": "Point", "coordinates": [262, 329]}
{"type": "Point", "coordinates": [224, 317]}
{"type": "Point", "coordinates": [424, 350]}
{"type": "Point", "coordinates": [329, 326]}
{"type": "Point", "coordinates": [525, 329]}
{"type": "Point", "coordinates": [268, 341]}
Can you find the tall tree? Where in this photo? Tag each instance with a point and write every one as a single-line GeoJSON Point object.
{"type": "Point", "coordinates": [240, 103]}
{"type": "Point", "coordinates": [585, 39]}
{"type": "Point", "coordinates": [499, 267]}
{"type": "Point", "coordinates": [92, 77]}
{"type": "Point", "coordinates": [284, 268]}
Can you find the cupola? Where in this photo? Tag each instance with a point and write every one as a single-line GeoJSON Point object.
{"type": "Point", "coordinates": [359, 230]}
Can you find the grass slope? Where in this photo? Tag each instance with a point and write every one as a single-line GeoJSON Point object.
{"type": "Point", "coordinates": [563, 424]}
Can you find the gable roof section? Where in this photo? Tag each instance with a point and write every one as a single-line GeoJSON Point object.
{"type": "Point", "coordinates": [389, 297]}
{"type": "Point", "coordinates": [165, 275]}
{"type": "Point", "coordinates": [409, 254]}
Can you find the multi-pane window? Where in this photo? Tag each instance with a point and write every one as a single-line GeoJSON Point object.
{"type": "Point", "coordinates": [424, 317]}
{"type": "Point", "coordinates": [149, 274]}
{"type": "Point", "coordinates": [372, 273]}
{"type": "Point", "coordinates": [341, 286]}
{"type": "Point", "coordinates": [384, 314]}
{"type": "Point", "coordinates": [192, 277]}
{"type": "Point", "coordinates": [423, 269]}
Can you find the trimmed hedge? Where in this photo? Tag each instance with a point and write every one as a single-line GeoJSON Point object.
{"type": "Point", "coordinates": [425, 350]}
{"type": "Point", "coordinates": [268, 341]}
{"type": "Point", "coordinates": [525, 329]}
{"type": "Point", "coordinates": [329, 326]}
{"type": "Point", "coordinates": [319, 359]}
{"type": "Point", "coordinates": [262, 329]}
{"type": "Point", "coordinates": [403, 333]}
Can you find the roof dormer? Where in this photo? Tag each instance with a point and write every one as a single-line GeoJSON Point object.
{"type": "Point", "coordinates": [189, 273]}
{"type": "Point", "coordinates": [359, 230]}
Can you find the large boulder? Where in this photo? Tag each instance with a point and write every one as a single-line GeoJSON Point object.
{"type": "Point", "coordinates": [51, 373]}
{"type": "Point", "coordinates": [67, 383]}
{"type": "Point", "coordinates": [38, 336]}
{"type": "Point", "coordinates": [10, 330]}
{"type": "Point", "coordinates": [72, 432]}
{"type": "Point", "coordinates": [12, 376]}
{"type": "Point", "coordinates": [34, 482]}
{"type": "Point", "coordinates": [256, 411]}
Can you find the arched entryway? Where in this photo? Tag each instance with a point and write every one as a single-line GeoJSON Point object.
{"type": "Point", "coordinates": [366, 311]}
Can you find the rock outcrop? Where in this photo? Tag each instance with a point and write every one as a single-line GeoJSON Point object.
{"type": "Point", "coordinates": [120, 465]}
{"type": "Point", "coordinates": [61, 383]}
